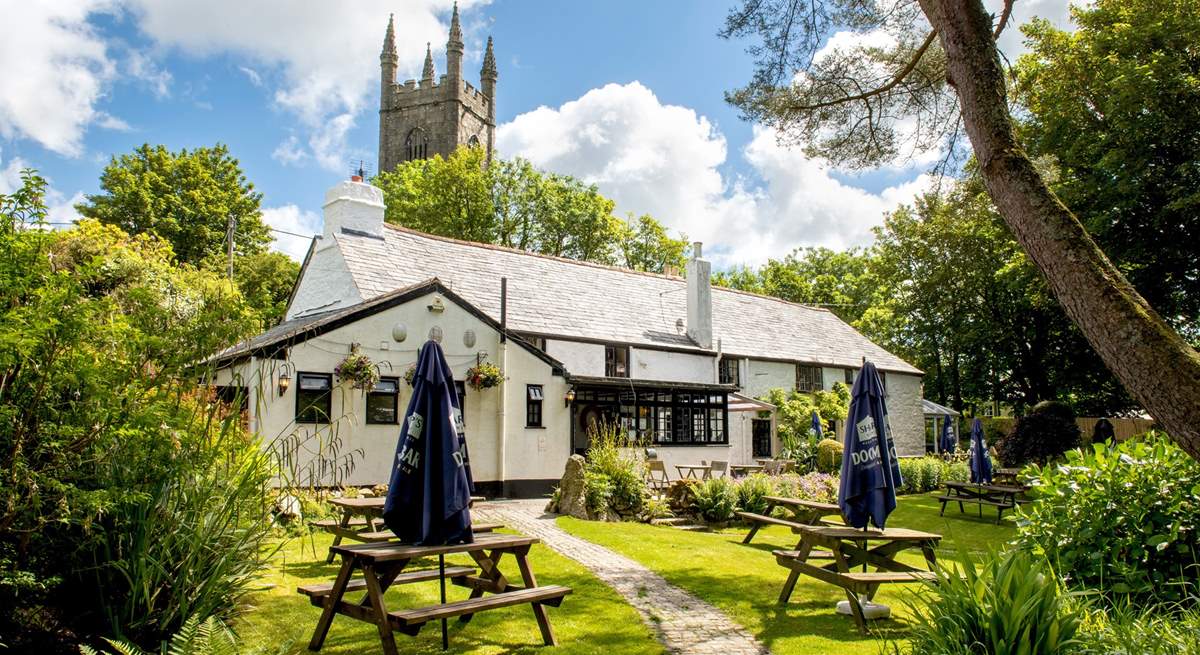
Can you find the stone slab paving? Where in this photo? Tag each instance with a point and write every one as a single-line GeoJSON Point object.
{"type": "Point", "coordinates": [684, 623]}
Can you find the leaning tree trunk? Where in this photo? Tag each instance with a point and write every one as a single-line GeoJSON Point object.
{"type": "Point", "coordinates": [1158, 368]}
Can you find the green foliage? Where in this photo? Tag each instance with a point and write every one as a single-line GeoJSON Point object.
{"type": "Point", "coordinates": [1046, 432]}
{"type": "Point", "coordinates": [829, 456]}
{"type": "Point", "coordinates": [681, 495]}
{"type": "Point", "coordinates": [511, 203]}
{"type": "Point", "coordinates": [1124, 520]}
{"type": "Point", "coordinates": [1115, 103]}
{"type": "Point", "coordinates": [186, 198]}
{"type": "Point", "coordinates": [716, 499]}
{"type": "Point", "coordinates": [1009, 604]}
{"type": "Point", "coordinates": [128, 501]}
{"type": "Point", "coordinates": [752, 492]}
{"type": "Point", "coordinates": [266, 280]}
{"type": "Point", "coordinates": [1157, 631]}
{"type": "Point", "coordinates": [208, 637]}
{"type": "Point", "coordinates": [839, 280]}
{"type": "Point", "coordinates": [793, 420]}
{"type": "Point", "coordinates": [922, 474]}
{"type": "Point", "coordinates": [614, 477]}
{"type": "Point", "coordinates": [819, 487]}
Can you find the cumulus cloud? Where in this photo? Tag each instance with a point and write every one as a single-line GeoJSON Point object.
{"type": "Point", "coordinates": [291, 218]}
{"type": "Point", "coordinates": [142, 67]}
{"type": "Point", "coordinates": [323, 51]}
{"type": "Point", "coordinates": [665, 160]}
{"type": "Point", "coordinates": [55, 69]}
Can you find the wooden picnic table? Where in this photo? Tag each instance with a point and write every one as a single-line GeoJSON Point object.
{"type": "Point", "coordinates": [362, 520]}
{"type": "Point", "coordinates": [687, 471]}
{"type": "Point", "coordinates": [1007, 477]}
{"type": "Point", "coordinates": [998, 496]}
{"type": "Point", "coordinates": [804, 513]}
{"type": "Point", "coordinates": [745, 468]}
{"type": "Point", "coordinates": [383, 565]}
{"type": "Point", "coordinates": [849, 548]}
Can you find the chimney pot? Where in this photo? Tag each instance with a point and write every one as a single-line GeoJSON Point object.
{"type": "Point", "coordinates": [699, 299]}
{"type": "Point", "coordinates": [354, 205]}
{"type": "Point", "coordinates": [697, 250]}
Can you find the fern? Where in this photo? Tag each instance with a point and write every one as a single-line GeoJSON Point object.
{"type": "Point", "coordinates": [195, 637]}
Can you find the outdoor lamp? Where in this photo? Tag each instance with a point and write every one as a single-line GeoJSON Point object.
{"type": "Point", "coordinates": [284, 381]}
{"type": "Point", "coordinates": [569, 397]}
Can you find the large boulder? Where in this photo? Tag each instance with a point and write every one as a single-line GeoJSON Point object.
{"type": "Point", "coordinates": [572, 499]}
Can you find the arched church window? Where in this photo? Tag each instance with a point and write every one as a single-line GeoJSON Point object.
{"type": "Point", "coordinates": [416, 146]}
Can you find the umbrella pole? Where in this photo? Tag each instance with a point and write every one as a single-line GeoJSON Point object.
{"type": "Point", "coordinates": [442, 581]}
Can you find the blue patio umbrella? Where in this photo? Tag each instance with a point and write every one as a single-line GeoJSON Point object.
{"type": "Point", "coordinates": [430, 488]}
{"type": "Point", "coordinates": [981, 462]}
{"type": "Point", "coordinates": [948, 441]}
{"type": "Point", "coordinates": [870, 472]}
{"type": "Point", "coordinates": [816, 425]}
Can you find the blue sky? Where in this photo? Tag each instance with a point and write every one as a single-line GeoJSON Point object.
{"type": "Point", "coordinates": [628, 95]}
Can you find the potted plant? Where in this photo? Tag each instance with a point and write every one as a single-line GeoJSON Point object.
{"type": "Point", "coordinates": [358, 370]}
{"type": "Point", "coordinates": [410, 375]}
{"type": "Point", "coordinates": [484, 375]}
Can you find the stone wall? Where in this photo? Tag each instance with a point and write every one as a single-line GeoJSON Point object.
{"type": "Point", "coordinates": [448, 117]}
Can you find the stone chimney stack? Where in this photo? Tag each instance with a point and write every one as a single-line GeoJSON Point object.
{"type": "Point", "coordinates": [699, 299]}
{"type": "Point", "coordinates": [354, 206]}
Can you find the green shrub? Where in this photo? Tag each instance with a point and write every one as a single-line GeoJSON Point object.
{"type": "Point", "coordinates": [716, 500]}
{"type": "Point", "coordinates": [793, 419]}
{"type": "Point", "coordinates": [818, 487]}
{"type": "Point", "coordinates": [612, 456]}
{"type": "Point", "coordinates": [1124, 631]}
{"type": "Point", "coordinates": [1010, 604]}
{"type": "Point", "coordinates": [829, 456]}
{"type": "Point", "coordinates": [681, 495]}
{"type": "Point", "coordinates": [597, 490]}
{"type": "Point", "coordinates": [1124, 520]}
{"type": "Point", "coordinates": [1046, 432]}
{"type": "Point", "coordinates": [656, 508]}
{"type": "Point", "coordinates": [209, 637]}
{"type": "Point", "coordinates": [922, 474]}
{"type": "Point", "coordinates": [752, 492]}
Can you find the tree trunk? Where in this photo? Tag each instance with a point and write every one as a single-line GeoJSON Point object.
{"type": "Point", "coordinates": [1158, 368]}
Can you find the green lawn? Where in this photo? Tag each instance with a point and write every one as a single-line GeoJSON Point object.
{"type": "Point", "coordinates": [744, 580]}
{"type": "Point", "coordinates": [593, 619]}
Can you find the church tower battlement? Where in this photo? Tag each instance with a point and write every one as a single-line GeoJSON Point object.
{"type": "Point", "coordinates": [434, 115]}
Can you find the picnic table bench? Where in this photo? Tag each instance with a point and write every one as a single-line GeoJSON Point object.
{"type": "Point", "coordinates": [804, 513]}
{"type": "Point", "coordinates": [848, 548]}
{"type": "Point", "coordinates": [382, 565]}
{"type": "Point", "coordinates": [1000, 497]}
{"type": "Point", "coordinates": [362, 520]}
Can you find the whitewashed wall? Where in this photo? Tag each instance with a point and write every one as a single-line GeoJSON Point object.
{"type": "Point", "coordinates": [672, 366]}
{"type": "Point", "coordinates": [762, 376]}
{"type": "Point", "coordinates": [327, 284]}
{"type": "Point", "coordinates": [904, 413]}
{"type": "Point", "coordinates": [579, 358]}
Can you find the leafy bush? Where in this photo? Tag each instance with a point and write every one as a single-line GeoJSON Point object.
{"type": "Point", "coordinates": [597, 490]}
{"type": "Point", "coordinates": [829, 456]}
{"type": "Point", "coordinates": [656, 508]}
{"type": "Point", "coordinates": [1046, 432]}
{"type": "Point", "coordinates": [1124, 631]}
{"type": "Point", "coordinates": [1124, 520]}
{"type": "Point", "coordinates": [793, 420]}
{"type": "Point", "coordinates": [716, 500]}
{"type": "Point", "coordinates": [922, 474]}
{"type": "Point", "coordinates": [681, 495]}
{"type": "Point", "coordinates": [1010, 604]}
{"type": "Point", "coordinates": [616, 474]}
{"type": "Point", "coordinates": [818, 487]}
{"type": "Point", "coordinates": [209, 637]}
{"type": "Point", "coordinates": [752, 492]}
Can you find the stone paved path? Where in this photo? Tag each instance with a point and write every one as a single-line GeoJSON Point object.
{"type": "Point", "coordinates": [683, 622]}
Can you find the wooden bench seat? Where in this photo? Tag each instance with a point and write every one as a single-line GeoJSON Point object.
{"type": "Point", "coordinates": [763, 518]}
{"type": "Point", "coordinates": [388, 535]}
{"type": "Point", "coordinates": [889, 577]}
{"type": "Point", "coordinates": [319, 591]}
{"type": "Point", "coordinates": [326, 524]}
{"type": "Point", "coordinates": [410, 621]}
{"type": "Point", "coordinates": [977, 501]}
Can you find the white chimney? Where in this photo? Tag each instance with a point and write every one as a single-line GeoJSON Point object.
{"type": "Point", "coordinates": [699, 299]}
{"type": "Point", "coordinates": [355, 206]}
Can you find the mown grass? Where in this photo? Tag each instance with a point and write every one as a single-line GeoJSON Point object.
{"type": "Point", "coordinates": [593, 619]}
{"type": "Point", "coordinates": [744, 580]}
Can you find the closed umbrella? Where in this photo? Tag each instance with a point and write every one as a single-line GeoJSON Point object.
{"type": "Point", "coordinates": [948, 440]}
{"type": "Point", "coordinates": [816, 425]}
{"type": "Point", "coordinates": [870, 472]}
{"type": "Point", "coordinates": [430, 488]}
{"type": "Point", "coordinates": [981, 462]}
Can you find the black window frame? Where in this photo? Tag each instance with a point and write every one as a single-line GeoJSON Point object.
{"type": "Point", "coordinates": [611, 361]}
{"type": "Point", "coordinates": [810, 385]}
{"type": "Point", "coordinates": [326, 398]}
{"type": "Point", "coordinates": [849, 373]}
{"type": "Point", "coordinates": [669, 417]}
{"type": "Point", "coordinates": [729, 372]}
{"type": "Point", "coordinates": [395, 401]}
{"type": "Point", "coordinates": [534, 405]}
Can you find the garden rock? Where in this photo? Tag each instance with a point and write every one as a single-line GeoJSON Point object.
{"type": "Point", "coordinates": [572, 500]}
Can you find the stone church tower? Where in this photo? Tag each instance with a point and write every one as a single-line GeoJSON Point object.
{"type": "Point", "coordinates": [419, 119]}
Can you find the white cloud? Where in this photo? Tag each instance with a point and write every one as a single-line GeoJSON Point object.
{"type": "Point", "coordinates": [251, 75]}
{"type": "Point", "coordinates": [289, 152]}
{"type": "Point", "coordinates": [55, 69]}
{"type": "Point", "coordinates": [110, 122]}
{"type": "Point", "coordinates": [142, 66]}
{"type": "Point", "coordinates": [322, 50]}
{"type": "Point", "coordinates": [664, 160]}
{"type": "Point", "coordinates": [291, 218]}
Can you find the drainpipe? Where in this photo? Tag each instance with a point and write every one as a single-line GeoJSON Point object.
{"type": "Point", "coordinates": [503, 435]}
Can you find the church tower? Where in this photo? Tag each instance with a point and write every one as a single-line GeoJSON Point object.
{"type": "Point", "coordinates": [418, 119]}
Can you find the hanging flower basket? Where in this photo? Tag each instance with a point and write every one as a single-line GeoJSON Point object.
{"type": "Point", "coordinates": [484, 376]}
{"type": "Point", "coordinates": [410, 375]}
{"type": "Point", "coordinates": [358, 370]}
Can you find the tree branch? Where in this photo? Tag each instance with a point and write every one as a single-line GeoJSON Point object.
{"type": "Point", "coordinates": [1005, 14]}
{"type": "Point", "coordinates": [893, 83]}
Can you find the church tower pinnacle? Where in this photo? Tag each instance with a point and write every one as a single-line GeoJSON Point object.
{"type": "Point", "coordinates": [428, 73]}
{"type": "Point", "coordinates": [454, 48]}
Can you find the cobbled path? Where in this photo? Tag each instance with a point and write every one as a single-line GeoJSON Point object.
{"type": "Point", "coordinates": [684, 623]}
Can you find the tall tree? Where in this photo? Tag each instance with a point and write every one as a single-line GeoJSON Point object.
{"type": "Point", "coordinates": [266, 280]}
{"type": "Point", "coordinates": [864, 104]}
{"type": "Point", "coordinates": [188, 198]}
{"type": "Point", "coordinates": [840, 281]}
{"type": "Point", "coordinates": [646, 246]}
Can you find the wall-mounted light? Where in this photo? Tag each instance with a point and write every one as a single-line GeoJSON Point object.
{"type": "Point", "coordinates": [569, 398]}
{"type": "Point", "coordinates": [436, 306]}
{"type": "Point", "coordinates": [285, 380]}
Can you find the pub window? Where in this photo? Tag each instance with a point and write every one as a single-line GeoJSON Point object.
{"type": "Point", "coordinates": [383, 402]}
{"type": "Point", "coordinates": [808, 378]}
{"type": "Point", "coordinates": [616, 361]}
{"type": "Point", "coordinates": [535, 341]}
{"type": "Point", "coordinates": [849, 377]}
{"type": "Point", "coordinates": [416, 146]}
{"type": "Point", "coordinates": [883, 380]}
{"type": "Point", "coordinates": [533, 405]}
{"type": "Point", "coordinates": [314, 400]}
{"type": "Point", "coordinates": [729, 372]}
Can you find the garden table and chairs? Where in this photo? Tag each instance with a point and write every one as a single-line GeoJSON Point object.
{"type": "Point", "coordinates": [742, 470]}
{"type": "Point", "coordinates": [998, 496]}
{"type": "Point", "coordinates": [362, 520]}
{"type": "Point", "coordinates": [694, 471]}
{"type": "Point", "coordinates": [850, 548]}
{"type": "Point", "coordinates": [803, 513]}
{"type": "Point", "coordinates": [383, 565]}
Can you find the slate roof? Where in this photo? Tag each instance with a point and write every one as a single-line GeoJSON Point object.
{"type": "Point", "coordinates": [931, 408]}
{"type": "Point", "coordinates": [553, 296]}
